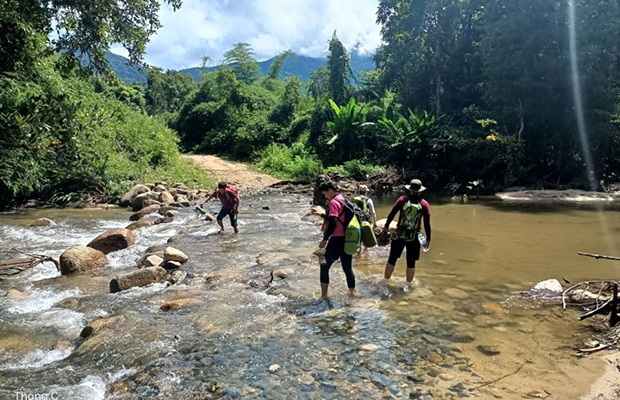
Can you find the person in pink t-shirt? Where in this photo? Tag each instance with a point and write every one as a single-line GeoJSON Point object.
{"type": "Point", "coordinates": [333, 238]}
{"type": "Point", "coordinates": [230, 205]}
{"type": "Point", "coordinates": [413, 211]}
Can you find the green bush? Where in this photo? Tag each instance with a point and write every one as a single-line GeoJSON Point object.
{"type": "Point", "coordinates": [293, 162]}
{"type": "Point", "coordinates": [356, 169]}
{"type": "Point", "coordinates": [59, 135]}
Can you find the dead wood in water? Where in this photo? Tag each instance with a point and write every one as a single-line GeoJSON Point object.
{"type": "Point", "coordinates": [12, 267]}
{"type": "Point", "coordinates": [599, 256]}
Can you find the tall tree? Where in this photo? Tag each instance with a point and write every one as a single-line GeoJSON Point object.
{"type": "Point", "coordinates": [82, 27]}
{"type": "Point", "coordinates": [241, 58]}
{"type": "Point", "coordinates": [278, 63]}
{"type": "Point", "coordinates": [340, 73]}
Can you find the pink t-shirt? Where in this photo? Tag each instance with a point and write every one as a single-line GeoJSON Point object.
{"type": "Point", "coordinates": [335, 210]}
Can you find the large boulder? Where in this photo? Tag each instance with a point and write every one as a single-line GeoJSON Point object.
{"type": "Point", "coordinates": [141, 277]}
{"type": "Point", "coordinates": [172, 254]}
{"type": "Point", "coordinates": [80, 259]}
{"type": "Point", "coordinates": [42, 222]}
{"type": "Point", "coordinates": [138, 202]}
{"type": "Point", "coordinates": [113, 240]}
{"type": "Point", "coordinates": [127, 199]}
{"type": "Point", "coordinates": [139, 224]}
{"type": "Point", "coordinates": [145, 211]}
{"type": "Point", "coordinates": [166, 198]}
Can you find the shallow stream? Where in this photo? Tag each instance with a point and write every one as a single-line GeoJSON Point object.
{"type": "Point", "coordinates": [462, 326]}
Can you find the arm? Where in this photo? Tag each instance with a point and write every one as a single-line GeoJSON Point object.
{"type": "Point", "coordinates": [397, 207]}
{"type": "Point", "coordinates": [236, 206]}
{"type": "Point", "coordinates": [427, 227]}
{"type": "Point", "coordinates": [331, 225]}
{"type": "Point", "coordinates": [373, 213]}
{"type": "Point", "coordinates": [208, 199]}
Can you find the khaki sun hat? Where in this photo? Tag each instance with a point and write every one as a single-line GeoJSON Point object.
{"type": "Point", "coordinates": [415, 186]}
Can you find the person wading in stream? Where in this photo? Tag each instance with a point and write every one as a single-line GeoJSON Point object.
{"type": "Point", "coordinates": [413, 209]}
{"type": "Point", "coordinates": [230, 205]}
{"type": "Point", "coordinates": [334, 238]}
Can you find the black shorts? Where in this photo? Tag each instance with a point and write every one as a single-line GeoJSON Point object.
{"type": "Point", "coordinates": [413, 251]}
{"type": "Point", "coordinates": [231, 213]}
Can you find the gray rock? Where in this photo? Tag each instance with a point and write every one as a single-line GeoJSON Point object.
{"type": "Point", "coordinates": [114, 239]}
{"type": "Point", "coordinates": [141, 277]}
{"type": "Point", "coordinates": [145, 211]}
{"type": "Point", "coordinates": [138, 202]}
{"type": "Point", "coordinates": [127, 199]}
{"type": "Point", "coordinates": [42, 222]}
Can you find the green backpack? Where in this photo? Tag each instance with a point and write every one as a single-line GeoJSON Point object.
{"type": "Point", "coordinates": [409, 221]}
{"type": "Point", "coordinates": [352, 228]}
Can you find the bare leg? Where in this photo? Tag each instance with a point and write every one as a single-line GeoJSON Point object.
{"type": "Point", "coordinates": [410, 274]}
{"type": "Point", "coordinates": [324, 287]}
{"type": "Point", "coordinates": [221, 224]}
{"type": "Point", "coordinates": [236, 229]}
{"type": "Point", "coordinates": [389, 270]}
{"type": "Point", "coordinates": [352, 292]}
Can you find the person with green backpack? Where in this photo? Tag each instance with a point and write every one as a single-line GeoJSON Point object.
{"type": "Point", "coordinates": [413, 209]}
{"type": "Point", "coordinates": [341, 237]}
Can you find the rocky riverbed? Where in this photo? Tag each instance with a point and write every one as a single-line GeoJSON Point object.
{"type": "Point", "coordinates": [221, 325]}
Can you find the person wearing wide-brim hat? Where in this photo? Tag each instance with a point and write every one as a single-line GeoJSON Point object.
{"type": "Point", "coordinates": [413, 210]}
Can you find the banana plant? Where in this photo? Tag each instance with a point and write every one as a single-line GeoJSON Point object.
{"type": "Point", "coordinates": [347, 121]}
{"type": "Point", "coordinates": [406, 133]}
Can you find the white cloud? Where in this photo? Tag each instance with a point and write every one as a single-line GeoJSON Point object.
{"type": "Point", "coordinates": [211, 27]}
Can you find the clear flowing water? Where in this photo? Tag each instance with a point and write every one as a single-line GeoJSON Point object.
{"type": "Point", "coordinates": [462, 326]}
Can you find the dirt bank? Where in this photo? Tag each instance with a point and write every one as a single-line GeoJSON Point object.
{"type": "Point", "coordinates": [238, 174]}
{"type": "Point", "coordinates": [608, 386]}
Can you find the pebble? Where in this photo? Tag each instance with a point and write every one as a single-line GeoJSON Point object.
{"type": "Point", "coordinates": [369, 347]}
{"type": "Point", "coordinates": [306, 379]}
{"type": "Point", "coordinates": [274, 368]}
{"type": "Point", "coordinates": [455, 293]}
{"type": "Point", "coordinates": [434, 358]}
{"type": "Point", "coordinates": [430, 339]}
{"type": "Point", "coordinates": [488, 350]}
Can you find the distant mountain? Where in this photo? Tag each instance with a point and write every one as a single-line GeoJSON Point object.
{"type": "Point", "coordinates": [127, 72]}
{"type": "Point", "coordinates": [300, 66]}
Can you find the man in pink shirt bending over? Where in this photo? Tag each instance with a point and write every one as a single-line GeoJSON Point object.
{"type": "Point", "coordinates": [230, 205]}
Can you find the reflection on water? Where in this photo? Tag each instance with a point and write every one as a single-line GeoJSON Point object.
{"type": "Point", "coordinates": [462, 326]}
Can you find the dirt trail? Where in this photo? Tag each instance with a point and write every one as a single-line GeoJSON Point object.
{"type": "Point", "coordinates": [238, 174]}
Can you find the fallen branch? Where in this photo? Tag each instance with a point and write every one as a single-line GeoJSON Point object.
{"type": "Point", "coordinates": [498, 379]}
{"type": "Point", "coordinates": [599, 256]}
{"type": "Point", "coordinates": [15, 266]}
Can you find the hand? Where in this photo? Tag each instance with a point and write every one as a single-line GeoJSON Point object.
{"type": "Point", "coordinates": [426, 245]}
{"type": "Point", "coordinates": [323, 244]}
{"type": "Point", "coordinates": [386, 229]}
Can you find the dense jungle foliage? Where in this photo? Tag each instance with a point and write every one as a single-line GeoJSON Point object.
{"type": "Point", "coordinates": [465, 91]}
{"type": "Point", "coordinates": [66, 133]}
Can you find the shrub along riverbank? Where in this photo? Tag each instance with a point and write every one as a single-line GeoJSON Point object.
{"type": "Point", "coordinates": [66, 136]}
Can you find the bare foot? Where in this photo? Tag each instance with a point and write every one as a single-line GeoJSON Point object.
{"type": "Point", "coordinates": [236, 230]}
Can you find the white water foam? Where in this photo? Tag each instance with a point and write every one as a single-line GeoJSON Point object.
{"type": "Point", "coordinates": [38, 359]}
{"type": "Point", "coordinates": [39, 300]}
{"type": "Point", "coordinates": [91, 388]}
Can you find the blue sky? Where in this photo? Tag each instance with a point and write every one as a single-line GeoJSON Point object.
{"type": "Point", "coordinates": [211, 27]}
